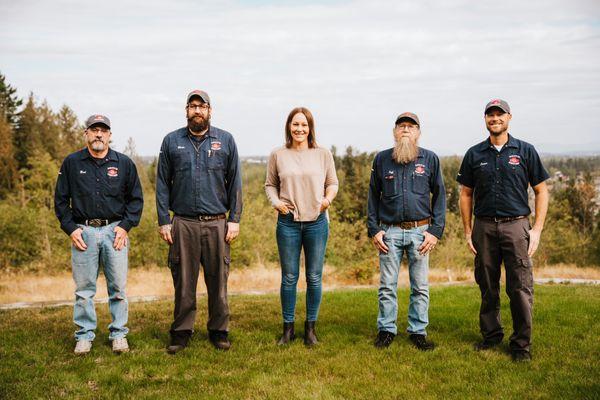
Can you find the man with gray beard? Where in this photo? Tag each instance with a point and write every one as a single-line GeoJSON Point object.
{"type": "Point", "coordinates": [98, 199]}
{"type": "Point", "coordinates": [406, 214]}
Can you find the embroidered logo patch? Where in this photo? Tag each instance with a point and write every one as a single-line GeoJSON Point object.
{"type": "Point", "coordinates": [112, 171]}
{"type": "Point", "coordinates": [215, 146]}
{"type": "Point", "coordinates": [419, 169]}
{"type": "Point", "coordinates": [514, 160]}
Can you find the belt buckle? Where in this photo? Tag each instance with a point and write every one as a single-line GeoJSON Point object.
{"type": "Point", "coordinates": [407, 225]}
{"type": "Point", "coordinates": [96, 223]}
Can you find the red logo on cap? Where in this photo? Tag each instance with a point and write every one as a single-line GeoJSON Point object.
{"type": "Point", "coordinates": [98, 117]}
{"type": "Point", "coordinates": [495, 101]}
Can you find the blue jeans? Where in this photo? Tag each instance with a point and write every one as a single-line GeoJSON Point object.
{"type": "Point", "coordinates": [399, 241]}
{"type": "Point", "coordinates": [85, 266]}
{"type": "Point", "coordinates": [292, 236]}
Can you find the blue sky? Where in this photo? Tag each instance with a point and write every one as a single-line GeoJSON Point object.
{"type": "Point", "coordinates": [355, 64]}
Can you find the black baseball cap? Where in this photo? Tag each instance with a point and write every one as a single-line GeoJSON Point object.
{"type": "Point", "coordinates": [408, 115]}
{"type": "Point", "coordinates": [498, 103]}
{"type": "Point", "coordinates": [97, 119]}
{"type": "Point", "coordinates": [200, 93]}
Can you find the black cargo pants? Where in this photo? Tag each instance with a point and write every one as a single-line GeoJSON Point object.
{"type": "Point", "coordinates": [496, 242]}
{"type": "Point", "coordinates": [198, 243]}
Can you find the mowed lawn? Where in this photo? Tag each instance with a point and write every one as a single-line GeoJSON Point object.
{"type": "Point", "coordinates": [36, 359]}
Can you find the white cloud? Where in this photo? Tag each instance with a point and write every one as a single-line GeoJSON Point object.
{"type": "Point", "coordinates": [355, 64]}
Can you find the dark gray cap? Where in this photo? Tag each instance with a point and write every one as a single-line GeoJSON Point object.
{"type": "Point", "coordinates": [408, 115]}
{"type": "Point", "coordinates": [97, 119]}
{"type": "Point", "coordinates": [501, 104]}
{"type": "Point", "coordinates": [200, 93]}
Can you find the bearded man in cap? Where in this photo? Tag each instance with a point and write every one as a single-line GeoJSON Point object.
{"type": "Point", "coordinates": [199, 179]}
{"type": "Point", "coordinates": [98, 199]}
{"type": "Point", "coordinates": [406, 214]}
{"type": "Point", "coordinates": [496, 173]}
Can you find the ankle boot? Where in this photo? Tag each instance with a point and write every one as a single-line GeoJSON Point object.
{"type": "Point", "coordinates": [288, 333]}
{"type": "Point", "coordinates": [310, 336]}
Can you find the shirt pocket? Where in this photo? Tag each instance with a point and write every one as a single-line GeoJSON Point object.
{"type": "Point", "coordinates": [483, 175]}
{"type": "Point", "coordinates": [216, 160]}
{"type": "Point", "coordinates": [420, 183]}
{"type": "Point", "coordinates": [390, 185]}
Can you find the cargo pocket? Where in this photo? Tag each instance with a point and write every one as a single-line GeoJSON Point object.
{"type": "Point", "coordinates": [477, 270]}
{"type": "Point", "coordinates": [526, 273]}
{"type": "Point", "coordinates": [174, 258]}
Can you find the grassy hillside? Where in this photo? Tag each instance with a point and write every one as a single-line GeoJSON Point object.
{"type": "Point", "coordinates": [37, 359]}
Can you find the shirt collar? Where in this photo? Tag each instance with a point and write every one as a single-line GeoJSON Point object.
{"type": "Point", "coordinates": [211, 132]}
{"type": "Point", "coordinates": [111, 155]}
{"type": "Point", "coordinates": [512, 142]}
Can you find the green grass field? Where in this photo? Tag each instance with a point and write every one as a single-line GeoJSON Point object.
{"type": "Point", "coordinates": [36, 359]}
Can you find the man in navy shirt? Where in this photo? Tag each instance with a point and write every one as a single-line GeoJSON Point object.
{"type": "Point", "coordinates": [496, 173]}
{"type": "Point", "coordinates": [98, 199]}
{"type": "Point", "coordinates": [199, 179]}
{"type": "Point", "coordinates": [406, 214]}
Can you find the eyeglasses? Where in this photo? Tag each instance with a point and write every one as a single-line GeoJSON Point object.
{"type": "Point", "coordinates": [410, 127]}
{"type": "Point", "coordinates": [98, 129]}
{"type": "Point", "coordinates": [202, 106]}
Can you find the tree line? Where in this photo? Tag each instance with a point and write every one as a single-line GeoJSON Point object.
{"type": "Point", "coordinates": [34, 139]}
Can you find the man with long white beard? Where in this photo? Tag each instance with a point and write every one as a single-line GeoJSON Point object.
{"type": "Point", "coordinates": [406, 214]}
{"type": "Point", "coordinates": [199, 179]}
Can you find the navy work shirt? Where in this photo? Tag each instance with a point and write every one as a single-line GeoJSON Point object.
{"type": "Point", "coordinates": [407, 192]}
{"type": "Point", "coordinates": [500, 178]}
{"type": "Point", "coordinates": [106, 189]}
{"type": "Point", "coordinates": [204, 182]}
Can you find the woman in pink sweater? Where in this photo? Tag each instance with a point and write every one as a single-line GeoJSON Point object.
{"type": "Point", "coordinates": [301, 183]}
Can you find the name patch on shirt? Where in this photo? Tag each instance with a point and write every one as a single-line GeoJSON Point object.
{"type": "Point", "coordinates": [419, 169]}
{"type": "Point", "coordinates": [514, 160]}
{"type": "Point", "coordinates": [215, 146]}
{"type": "Point", "coordinates": [112, 171]}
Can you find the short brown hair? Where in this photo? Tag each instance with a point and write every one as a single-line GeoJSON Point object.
{"type": "Point", "coordinates": [312, 141]}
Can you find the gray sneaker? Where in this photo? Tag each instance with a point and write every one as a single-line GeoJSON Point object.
{"type": "Point", "coordinates": [120, 345]}
{"type": "Point", "coordinates": [83, 346]}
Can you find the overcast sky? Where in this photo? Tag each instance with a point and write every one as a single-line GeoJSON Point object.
{"type": "Point", "coordinates": [354, 64]}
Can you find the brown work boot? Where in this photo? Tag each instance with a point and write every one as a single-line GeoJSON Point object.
{"type": "Point", "coordinates": [310, 336]}
{"type": "Point", "coordinates": [288, 333]}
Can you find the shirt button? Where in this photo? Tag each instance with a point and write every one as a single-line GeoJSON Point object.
{"type": "Point", "coordinates": [97, 192]}
{"type": "Point", "coordinates": [497, 168]}
{"type": "Point", "coordinates": [97, 180]}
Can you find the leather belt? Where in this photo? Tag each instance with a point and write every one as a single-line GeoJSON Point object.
{"type": "Point", "coordinates": [410, 224]}
{"type": "Point", "coordinates": [204, 217]}
{"type": "Point", "coordinates": [96, 222]}
{"type": "Point", "coordinates": [502, 219]}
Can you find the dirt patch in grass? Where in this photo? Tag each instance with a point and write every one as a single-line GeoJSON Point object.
{"type": "Point", "coordinates": [156, 281]}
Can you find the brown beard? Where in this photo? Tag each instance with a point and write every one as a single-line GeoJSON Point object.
{"type": "Point", "coordinates": [197, 127]}
{"type": "Point", "coordinates": [405, 150]}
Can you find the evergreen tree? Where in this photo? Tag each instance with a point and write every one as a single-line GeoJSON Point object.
{"type": "Point", "coordinates": [9, 102]}
{"type": "Point", "coordinates": [8, 166]}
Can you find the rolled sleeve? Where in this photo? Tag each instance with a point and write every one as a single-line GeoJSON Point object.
{"type": "Point", "coordinates": [234, 184]}
{"type": "Point", "coordinates": [163, 184]}
{"type": "Point", "coordinates": [134, 199]}
{"type": "Point", "coordinates": [438, 201]}
{"type": "Point", "coordinates": [373, 201]}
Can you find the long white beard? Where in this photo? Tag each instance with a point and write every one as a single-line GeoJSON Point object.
{"type": "Point", "coordinates": [405, 151]}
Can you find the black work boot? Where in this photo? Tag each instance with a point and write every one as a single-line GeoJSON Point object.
{"type": "Point", "coordinates": [219, 339]}
{"type": "Point", "coordinates": [310, 336]}
{"type": "Point", "coordinates": [487, 344]}
{"type": "Point", "coordinates": [179, 341]}
{"type": "Point", "coordinates": [384, 339]}
{"type": "Point", "coordinates": [421, 343]}
{"type": "Point", "coordinates": [288, 333]}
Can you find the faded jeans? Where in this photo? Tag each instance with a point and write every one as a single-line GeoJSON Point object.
{"type": "Point", "coordinates": [85, 266]}
{"type": "Point", "coordinates": [400, 241]}
{"type": "Point", "coordinates": [292, 237]}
